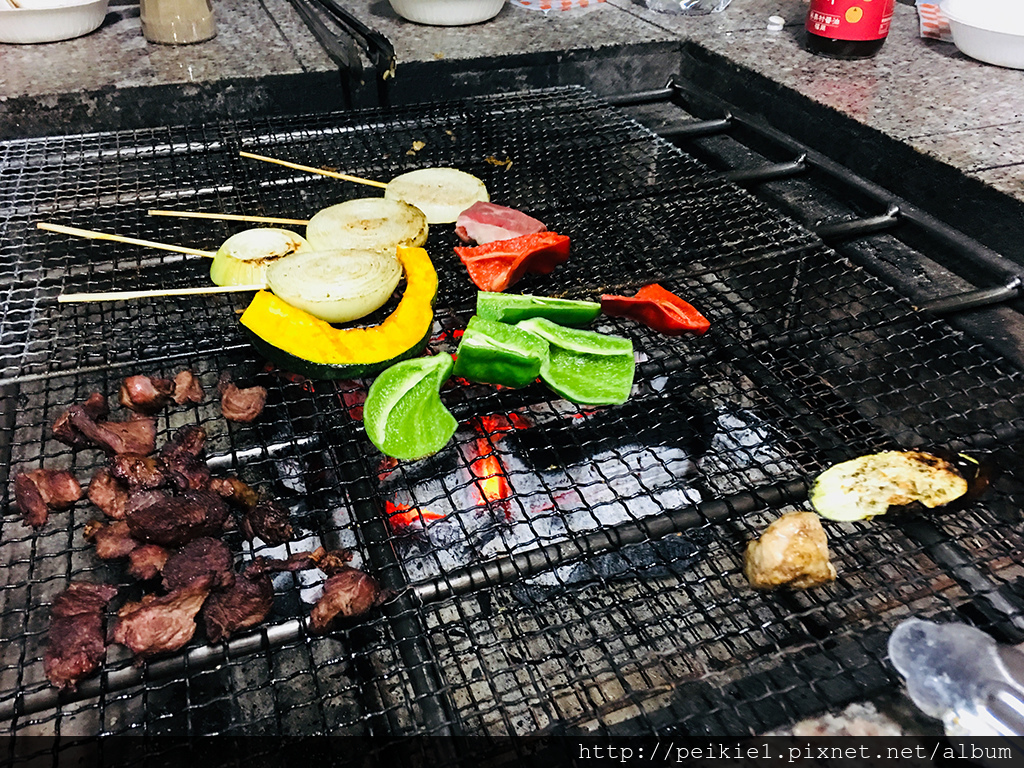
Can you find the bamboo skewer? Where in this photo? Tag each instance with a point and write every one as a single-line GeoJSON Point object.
{"type": "Point", "coordinates": [231, 217]}
{"type": "Point", "coordinates": [91, 235]}
{"type": "Point", "coordinates": [73, 298]}
{"type": "Point", "coordinates": [321, 171]}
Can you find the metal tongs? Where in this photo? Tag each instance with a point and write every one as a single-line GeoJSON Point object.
{"type": "Point", "coordinates": [344, 49]}
{"type": "Point", "coordinates": [962, 676]}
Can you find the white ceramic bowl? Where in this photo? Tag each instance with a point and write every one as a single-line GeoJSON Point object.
{"type": "Point", "coordinates": [447, 13]}
{"type": "Point", "coordinates": [988, 30]}
{"type": "Point", "coordinates": [46, 21]}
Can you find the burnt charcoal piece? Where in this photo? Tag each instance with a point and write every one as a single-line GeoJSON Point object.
{"type": "Point", "coordinates": [111, 541]}
{"type": "Point", "coordinates": [39, 490]}
{"type": "Point", "coordinates": [203, 557]}
{"type": "Point", "coordinates": [134, 436]}
{"type": "Point", "coordinates": [673, 421]}
{"type": "Point", "coordinates": [146, 562]}
{"type": "Point", "coordinates": [75, 646]}
{"type": "Point", "coordinates": [138, 472]}
{"type": "Point", "coordinates": [94, 408]}
{"type": "Point", "coordinates": [161, 624]}
{"type": "Point", "coordinates": [347, 594]}
{"type": "Point", "coordinates": [240, 404]}
{"type": "Point", "coordinates": [245, 605]}
{"type": "Point", "coordinates": [186, 388]}
{"type": "Point", "coordinates": [181, 461]}
{"type": "Point", "coordinates": [108, 493]}
{"type": "Point", "coordinates": [172, 521]}
{"type": "Point", "coordinates": [234, 492]}
{"type": "Point", "coordinates": [146, 395]}
{"type": "Point", "coordinates": [332, 561]}
{"type": "Point", "coordinates": [267, 521]}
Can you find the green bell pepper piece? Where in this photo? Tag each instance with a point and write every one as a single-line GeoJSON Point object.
{"type": "Point", "coordinates": [510, 308]}
{"type": "Point", "coordinates": [403, 413]}
{"type": "Point", "coordinates": [585, 367]}
{"type": "Point", "coordinates": [495, 353]}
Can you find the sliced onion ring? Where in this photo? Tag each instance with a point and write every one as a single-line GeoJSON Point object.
{"type": "Point", "coordinates": [336, 286]}
{"type": "Point", "coordinates": [441, 193]}
{"type": "Point", "coordinates": [243, 258]}
{"type": "Point", "coordinates": [373, 223]}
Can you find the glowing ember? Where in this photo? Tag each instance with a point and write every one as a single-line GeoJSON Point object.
{"type": "Point", "coordinates": [402, 516]}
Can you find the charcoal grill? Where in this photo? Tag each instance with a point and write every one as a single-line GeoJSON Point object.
{"type": "Point", "coordinates": [556, 569]}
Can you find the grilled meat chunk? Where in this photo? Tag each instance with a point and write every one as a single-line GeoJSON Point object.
{"type": "Point", "coordinates": [267, 521]}
{"type": "Point", "coordinates": [111, 541]}
{"type": "Point", "coordinates": [146, 395]}
{"type": "Point", "coordinates": [301, 561]}
{"type": "Point", "coordinates": [234, 492]}
{"type": "Point", "coordinates": [347, 594]}
{"type": "Point", "coordinates": [146, 562]}
{"type": "Point", "coordinates": [108, 493]}
{"type": "Point", "coordinates": [186, 388]}
{"type": "Point", "coordinates": [75, 645]}
{"type": "Point", "coordinates": [138, 472]}
{"type": "Point", "coordinates": [331, 561]}
{"type": "Point", "coordinates": [95, 408]}
{"type": "Point", "coordinates": [161, 624]}
{"type": "Point", "coordinates": [792, 552]}
{"type": "Point", "coordinates": [240, 404]}
{"type": "Point", "coordinates": [40, 490]}
{"type": "Point", "coordinates": [205, 556]}
{"type": "Point", "coordinates": [486, 222]}
{"type": "Point", "coordinates": [180, 457]}
{"type": "Point", "coordinates": [245, 605]}
{"type": "Point", "coordinates": [172, 521]}
{"type": "Point", "coordinates": [136, 435]}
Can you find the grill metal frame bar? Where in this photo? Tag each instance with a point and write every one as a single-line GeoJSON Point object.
{"type": "Point", "coordinates": [433, 697]}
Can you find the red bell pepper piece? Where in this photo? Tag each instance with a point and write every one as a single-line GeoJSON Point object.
{"type": "Point", "coordinates": [658, 309]}
{"type": "Point", "coordinates": [495, 266]}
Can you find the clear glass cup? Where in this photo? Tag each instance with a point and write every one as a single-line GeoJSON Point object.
{"type": "Point", "coordinates": [177, 22]}
{"type": "Point", "coordinates": [688, 7]}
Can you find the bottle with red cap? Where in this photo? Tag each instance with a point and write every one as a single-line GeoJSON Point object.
{"type": "Point", "coordinates": [848, 29]}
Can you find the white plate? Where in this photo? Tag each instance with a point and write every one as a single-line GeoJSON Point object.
{"type": "Point", "coordinates": [45, 22]}
{"type": "Point", "coordinates": [988, 30]}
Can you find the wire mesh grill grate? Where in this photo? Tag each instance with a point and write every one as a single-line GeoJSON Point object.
{"type": "Point", "coordinates": [532, 594]}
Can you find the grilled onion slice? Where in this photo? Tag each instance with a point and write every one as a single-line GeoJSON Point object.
{"type": "Point", "coordinates": [369, 223]}
{"type": "Point", "coordinates": [441, 193]}
{"type": "Point", "coordinates": [336, 286]}
{"type": "Point", "coordinates": [243, 258]}
{"type": "Point", "coordinates": [868, 485]}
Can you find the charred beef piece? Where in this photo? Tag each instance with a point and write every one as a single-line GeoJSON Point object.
{"type": "Point", "coordinates": [111, 541]}
{"type": "Point", "coordinates": [76, 644]}
{"type": "Point", "coordinates": [108, 493]}
{"type": "Point", "coordinates": [301, 561]}
{"type": "Point", "coordinates": [332, 561]}
{"type": "Point", "coordinates": [146, 395]}
{"type": "Point", "coordinates": [203, 557]}
{"type": "Point", "coordinates": [40, 490]}
{"type": "Point", "coordinates": [186, 388]}
{"type": "Point", "coordinates": [234, 492]}
{"type": "Point", "coordinates": [136, 435]}
{"type": "Point", "coordinates": [146, 562]}
{"type": "Point", "coordinates": [95, 408]}
{"type": "Point", "coordinates": [180, 457]}
{"type": "Point", "coordinates": [161, 624]}
{"type": "Point", "coordinates": [138, 472]}
{"type": "Point", "coordinates": [245, 605]}
{"type": "Point", "coordinates": [240, 404]}
{"type": "Point", "coordinates": [172, 521]}
{"type": "Point", "coordinates": [347, 594]}
{"type": "Point", "coordinates": [267, 521]}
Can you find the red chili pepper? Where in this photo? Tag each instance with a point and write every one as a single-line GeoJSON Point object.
{"type": "Point", "coordinates": [658, 309]}
{"type": "Point", "coordinates": [495, 266]}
